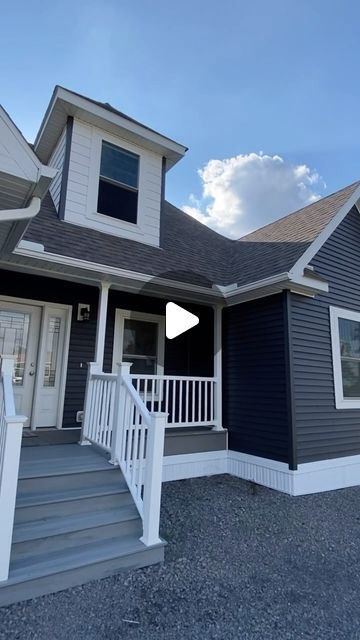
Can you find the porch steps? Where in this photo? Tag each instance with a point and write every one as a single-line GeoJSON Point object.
{"type": "Point", "coordinates": [75, 521]}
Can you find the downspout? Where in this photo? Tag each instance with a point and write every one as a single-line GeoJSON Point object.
{"type": "Point", "coordinates": [25, 213]}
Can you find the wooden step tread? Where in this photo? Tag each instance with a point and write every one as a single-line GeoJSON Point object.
{"type": "Point", "coordinates": [42, 497]}
{"type": "Point", "coordinates": [70, 559]}
{"type": "Point", "coordinates": [55, 460]}
{"type": "Point", "coordinates": [57, 525]}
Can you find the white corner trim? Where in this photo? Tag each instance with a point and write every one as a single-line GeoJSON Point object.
{"type": "Point", "coordinates": [194, 465]}
{"type": "Point", "coordinates": [316, 245]}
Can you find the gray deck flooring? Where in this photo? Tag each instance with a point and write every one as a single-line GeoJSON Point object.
{"type": "Point", "coordinates": [63, 458]}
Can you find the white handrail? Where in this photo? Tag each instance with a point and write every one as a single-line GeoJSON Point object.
{"type": "Point", "coordinates": [126, 415]}
{"type": "Point", "coordinates": [11, 426]}
{"type": "Point", "coordinates": [117, 420]}
{"type": "Point", "coordinates": [140, 405]}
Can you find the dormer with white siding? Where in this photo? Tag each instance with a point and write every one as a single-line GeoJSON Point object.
{"type": "Point", "coordinates": [111, 169]}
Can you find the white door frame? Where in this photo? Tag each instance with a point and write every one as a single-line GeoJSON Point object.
{"type": "Point", "coordinates": [44, 305]}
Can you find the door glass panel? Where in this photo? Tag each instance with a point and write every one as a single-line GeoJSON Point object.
{"type": "Point", "coordinates": [51, 350]}
{"type": "Point", "coordinates": [14, 332]}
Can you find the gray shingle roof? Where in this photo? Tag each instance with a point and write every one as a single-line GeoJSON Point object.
{"type": "Point", "coordinates": [191, 252]}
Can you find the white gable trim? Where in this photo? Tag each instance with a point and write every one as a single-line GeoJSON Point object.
{"type": "Point", "coordinates": [26, 164]}
{"type": "Point", "coordinates": [298, 268]}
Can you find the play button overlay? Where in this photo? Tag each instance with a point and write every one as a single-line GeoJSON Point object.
{"type": "Point", "coordinates": [178, 320]}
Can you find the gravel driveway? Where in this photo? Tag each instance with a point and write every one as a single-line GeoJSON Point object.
{"type": "Point", "coordinates": [242, 562]}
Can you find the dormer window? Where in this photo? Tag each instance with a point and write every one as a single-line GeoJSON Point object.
{"type": "Point", "coordinates": [118, 183]}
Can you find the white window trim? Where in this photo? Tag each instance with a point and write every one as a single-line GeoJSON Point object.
{"type": "Point", "coordinates": [335, 314]}
{"type": "Point", "coordinates": [108, 222]}
{"type": "Point", "coordinates": [120, 316]}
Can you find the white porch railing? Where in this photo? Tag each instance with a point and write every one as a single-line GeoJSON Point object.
{"type": "Point", "coordinates": [117, 420]}
{"type": "Point", "coordinates": [11, 426]}
{"type": "Point", "coordinates": [188, 401]}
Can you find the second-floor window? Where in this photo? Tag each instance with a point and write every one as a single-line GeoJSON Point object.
{"type": "Point", "coordinates": [118, 183]}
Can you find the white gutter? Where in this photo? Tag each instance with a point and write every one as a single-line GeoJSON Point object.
{"type": "Point", "coordinates": [25, 213]}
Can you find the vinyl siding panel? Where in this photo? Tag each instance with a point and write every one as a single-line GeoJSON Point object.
{"type": "Point", "coordinates": [82, 188]}
{"type": "Point", "coordinates": [57, 161]}
{"type": "Point", "coordinates": [322, 431]}
{"type": "Point", "coordinates": [255, 397]}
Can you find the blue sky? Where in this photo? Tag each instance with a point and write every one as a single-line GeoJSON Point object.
{"type": "Point", "coordinates": [227, 79]}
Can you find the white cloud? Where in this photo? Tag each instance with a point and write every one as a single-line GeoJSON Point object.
{"type": "Point", "coordinates": [245, 192]}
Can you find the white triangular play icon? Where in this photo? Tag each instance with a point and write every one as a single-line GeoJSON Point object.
{"type": "Point", "coordinates": [178, 320]}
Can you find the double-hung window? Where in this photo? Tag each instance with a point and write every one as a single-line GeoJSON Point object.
{"type": "Point", "coordinates": [345, 336]}
{"type": "Point", "coordinates": [140, 339]}
{"type": "Point", "coordinates": [118, 183]}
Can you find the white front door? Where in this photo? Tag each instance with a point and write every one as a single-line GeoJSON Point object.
{"type": "Point", "coordinates": [52, 367]}
{"type": "Point", "coordinates": [19, 336]}
{"type": "Point", "coordinates": [37, 336]}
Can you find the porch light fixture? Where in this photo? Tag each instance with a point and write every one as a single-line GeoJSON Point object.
{"type": "Point", "coordinates": [83, 312]}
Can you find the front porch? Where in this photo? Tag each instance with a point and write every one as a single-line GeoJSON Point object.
{"type": "Point", "coordinates": [162, 403]}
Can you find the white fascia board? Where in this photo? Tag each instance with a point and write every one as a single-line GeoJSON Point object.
{"type": "Point", "coordinates": [262, 288]}
{"type": "Point", "coordinates": [141, 278]}
{"type": "Point", "coordinates": [303, 262]}
{"type": "Point", "coordinates": [95, 114]}
{"type": "Point", "coordinates": [258, 284]}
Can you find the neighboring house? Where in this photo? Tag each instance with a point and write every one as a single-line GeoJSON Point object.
{"type": "Point", "coordinates": [266, 386]}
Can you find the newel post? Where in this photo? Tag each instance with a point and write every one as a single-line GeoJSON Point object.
{"type": "Point", "coordinates": [11, 428]}
{"type": "Point", "coordinates": [122, 371]}
{"type": "Point", "coordinates": [153, 478]}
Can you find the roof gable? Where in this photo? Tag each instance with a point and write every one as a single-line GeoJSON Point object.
{"type": "Point", "coordinates": [66, 103]}
{"type": "Point", "coordinates": [16, 156]}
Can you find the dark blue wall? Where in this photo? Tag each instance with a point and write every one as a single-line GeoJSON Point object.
{"type": "Point", "coordinates": [255, 385]}
{"type": "Point", "coordinates": [322, 430]}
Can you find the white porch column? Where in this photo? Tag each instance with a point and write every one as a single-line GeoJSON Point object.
{"type": "Point", "coordinates": [101, 323]}
{"type": "Point", "coordinates": [218, 366]}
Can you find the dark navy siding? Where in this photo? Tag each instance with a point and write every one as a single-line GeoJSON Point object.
{"type": "Point", "coordinates": [82, 337]}
{"type": "Point", "coordinates": [255, 393]}
{"type": "Point", "coordinates": [322, 430]}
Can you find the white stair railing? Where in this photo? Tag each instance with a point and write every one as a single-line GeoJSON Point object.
{"type": "Point", "coordinates": [11, 426]}
{"type": "Point", "coordinates": [117, 420]}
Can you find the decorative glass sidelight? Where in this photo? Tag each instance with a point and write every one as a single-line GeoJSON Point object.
{"type": "Point", "coordinates": [51, 350]}
{"type": "Point", "coordinates": [14, 333]}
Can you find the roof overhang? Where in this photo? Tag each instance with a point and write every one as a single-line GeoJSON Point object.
{"type": "Point", "coordinates": [37, 261]}
{"type": "Point", "coordinates": [65, 103]}
{"type": "Point", "coordinates": [305, 285]}
{"type": "Point", "coordinates": [24, 180]}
